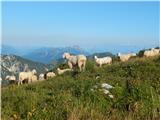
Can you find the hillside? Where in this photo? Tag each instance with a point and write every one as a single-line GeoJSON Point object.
{"type": "Point", "coordinates": [12, 65]}
{"type": "Point", "coordinates": [70, 96]}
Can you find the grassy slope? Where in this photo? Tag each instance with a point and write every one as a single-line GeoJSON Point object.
{"type": "Point", "coordinates": [136, 92]}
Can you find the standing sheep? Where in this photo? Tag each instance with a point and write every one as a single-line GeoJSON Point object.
{"type": "Point", "coordinates": [26, 76]}
{"type": "Point", "coordinates": [60, 71]}
{"type": "Point", "coordinates": [79, 60]}
{"type": "Point", "coordinates": [126, 57]}
{"type": "Point", "coordinates": [104, 60]}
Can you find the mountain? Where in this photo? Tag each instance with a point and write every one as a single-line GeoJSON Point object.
{"type": "Point", "coordinates": [19, 51]}
{"type": "Point", "coordinates": [5, 49]}
{"type": "Point", "coordinates": [49, 55]}
{"type": "Point", "coordinates": [12, 65]}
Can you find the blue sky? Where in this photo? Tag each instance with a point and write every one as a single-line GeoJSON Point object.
{"type": "Point", "coordinates": [101, 26]}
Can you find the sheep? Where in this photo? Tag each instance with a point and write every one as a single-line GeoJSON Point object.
{"type": "Point", "coordinates": [11, 79]}
{"type": "Point", "coordinates": [61, 71]}
{"type": "Point", "coordinates": [126, 57]}
{"type": "Point", "coordinates": [104, 60]}
{"type": "Point", "coordinates": [152, 52]}
{"type": "Point", "coordinates": [41, 76]}
{"type": "Point", "coordinates": [26, 76]}
{"type": "Point", "coordinates": [8, 77]}
{"type": "Point", "coordinates": [50, 75]}
{"type": "Point", "coordinates": [78, 60]}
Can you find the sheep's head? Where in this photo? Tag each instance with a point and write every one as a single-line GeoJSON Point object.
{"type": "Point", "coordinates": [34, 71]}
{"type": "Point", "coordinates": [66, 55]}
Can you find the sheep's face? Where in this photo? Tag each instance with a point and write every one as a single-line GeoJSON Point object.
{"type": "Point", "coordinates": [58, 69]}
{"type": "Point", "coordinates": [34, 71]}
{"type": "Point", "coordinates": [66, 55]}
{"type": "Point", "coordinates": [95, 57]}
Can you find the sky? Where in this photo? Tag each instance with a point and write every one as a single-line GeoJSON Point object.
{"type": "Point", "coordinates": [97, 26]}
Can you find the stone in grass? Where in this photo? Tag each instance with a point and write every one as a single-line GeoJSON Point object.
{"type": "Point", "coordinates": [105, 91]}
{"type": "Point", "coordinates": [111, 96]}
{"type": "Point", "coordinates": [106, 86]}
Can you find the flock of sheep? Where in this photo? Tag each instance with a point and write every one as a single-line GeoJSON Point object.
{"type": "Point", "coordinates": [76, 61]}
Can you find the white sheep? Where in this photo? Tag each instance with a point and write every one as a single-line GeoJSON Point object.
{"type": "Point", "coordinates": [11, 78]}
{"type": "Point", "coordinates": [61, 71]}
{"type": "Point", "coordinates": [79, 60]}
{"type": "Point", "coordinates": [104, 60]}
{"type": "Point", "coordinates": [26, 76]}
{"type": "Point", "coordinates": [50, 75]}
{"type": "Point", "coordinates": [152, 52]}
{"type": "Point", "coordinates": [41, 76]}
{"type": "Point", "coordinates": [126, 57]}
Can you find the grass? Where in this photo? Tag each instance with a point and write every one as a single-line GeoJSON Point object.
{"type": "Point", "coordinates": [69, 96]}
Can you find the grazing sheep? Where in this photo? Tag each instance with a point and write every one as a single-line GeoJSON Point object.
{"type": "Point", "coordinates": [50, 75]}
{"type": "Point", "coordinates": [34, 78]}
{"type": "Point", "coordinates": [10, 78]}
{"type": "Point", "coordinates": [41, 76]}
{"type": "Point", "coordinates": [26, 76]}
{"type": "Point", "coordinates": [78, 60]}
{"type": "Point", "coordinates": [60, 71]}
{"type": "Point", "coordinates": [104, 60]}
{"type": "Point", "coordinates": [152, 52]}
{"type": "Point", "coordinates": [126, 57]}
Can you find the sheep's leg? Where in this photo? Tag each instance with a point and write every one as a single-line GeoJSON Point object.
{"type": "Point", "coordinates": [80, 66]}
{"type": "Point", "coordinates": [70, 65]}
{"type": "Point", "coordinates": [84, 65]}
{"type": "Point", "coordinates": [29, 81]}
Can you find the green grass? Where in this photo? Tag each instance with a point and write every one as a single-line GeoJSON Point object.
{"type": "Point", "coordinates": [69, 96]}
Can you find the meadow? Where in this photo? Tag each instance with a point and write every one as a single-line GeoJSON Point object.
{"type": "Point", "coordinates": [69, 96]}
